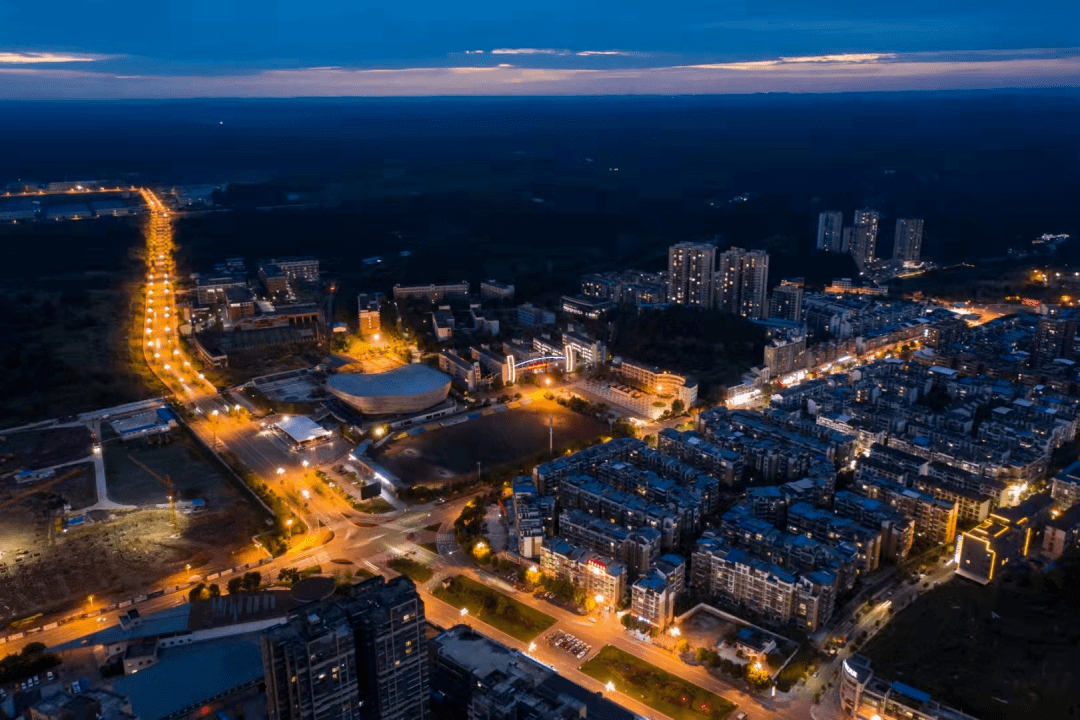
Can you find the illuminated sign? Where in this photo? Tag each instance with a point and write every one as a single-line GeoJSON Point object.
{"type": "Point", "coordinates": [1030, 301]}
{"type": "Point", "coordinates": [849, 671]}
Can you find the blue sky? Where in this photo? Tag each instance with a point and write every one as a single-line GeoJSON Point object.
{"type": "Point", "coordinates": [197, 48]}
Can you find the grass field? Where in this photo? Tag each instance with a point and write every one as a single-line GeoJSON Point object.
{"type": "Point", "coordinates": [494, 440]}
{"type": "Point", "coordinates": [417, 572]}
{"type": "Point", "coordinates": [496, 609]}
{"type": "Point", "coordinates": [1008, 651]}
{"type": "Point", "coordinates": [656, 688]}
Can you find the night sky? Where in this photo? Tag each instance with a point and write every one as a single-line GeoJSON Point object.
{"type": "Point", "coordinates": [274, 48]}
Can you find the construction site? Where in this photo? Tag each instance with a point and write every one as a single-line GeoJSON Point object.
{"type": "Point", "coordinates": [168, 511]}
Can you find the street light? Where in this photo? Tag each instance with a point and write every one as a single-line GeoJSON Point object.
{"type": "Point", "coordinates": [464, 611]}
{"type": "Point", "coordinates": [532, 646]}
{"type": "Point", "coordinates": [610, 687]}
{"type": "Point", "coordinates": [675, 632]}
{"type": "Point", "coordinates": [599, 598]}
{"type": "Point", "coordinates": [281, 471]}
{"type": "Point", "coordinates": [305, 463]}
{"type": "Point", "coordinates": [91, 599]}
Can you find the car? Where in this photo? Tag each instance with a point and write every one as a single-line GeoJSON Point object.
{"type": "Point", "coordinates": [22, 686]}
{"type": "Point", "coordinates": [740, 716]}
{"type": "Point", "coordinates": [3, 694]}
{"type": "Point", "coordinates": [816, 673]}
{"type": "Point", "coordinates": [50, 675]}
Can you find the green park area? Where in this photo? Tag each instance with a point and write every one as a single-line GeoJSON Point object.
{"type": "Point", "coordinates": [417, 572]}
{"type": "Point", "coordinates": [659, 689]}
{"type": "Point", "coordinates": [496, 609]}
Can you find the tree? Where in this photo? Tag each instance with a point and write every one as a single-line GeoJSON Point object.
{"type": "Point", "coordinates": [196, 593]}
{"type": "Point", "coordinates": [288, 576]}
{"type": "Point", "coordinates": [252, 580]}
{"type": "Point", "coordinates": [33, 648]}
{"type": "Point", "coordinates": [677, 407]}
{"type": "Point", "coordinates": [214, 591]}
{"type": "Point", "coordinates": [683, 646]}
{"type": "Point", "coordinates": [234, 585]}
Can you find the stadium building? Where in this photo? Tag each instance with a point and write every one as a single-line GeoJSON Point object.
{"type": "Point", "coordinates": [407, 389]}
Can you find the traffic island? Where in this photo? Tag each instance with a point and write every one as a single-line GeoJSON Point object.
{"type": "Point", "coordinates": [659, 689]}
{"type": "Point", "coordinates": [417, 572]}
{"type": "Point", "coordinates": [500, 611]}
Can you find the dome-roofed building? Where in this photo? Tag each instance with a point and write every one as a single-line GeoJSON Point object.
{"type": "Point", "coordinates": [407, 389]}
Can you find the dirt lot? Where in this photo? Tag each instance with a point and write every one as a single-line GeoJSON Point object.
{"type": "Point", "coordinates": [111, 559]}
{"type": "Point", "coordinates": [193, 474]}
{"type": "Point", "coordinates": [498, 439]}
{"type": "Point", "coordinates": [42, 448]}
{"type": "Point", "coordinates": [116, 555]}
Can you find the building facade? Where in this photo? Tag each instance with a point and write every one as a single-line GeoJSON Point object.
{"type": "Point", "coordinates": [907, 243]}
{"type": "Point", "coordinates": [742, 282]}
{"type": "Point", "coordinates": [691, 267]}
{"type": "Point", "coordinates": [830, 230]}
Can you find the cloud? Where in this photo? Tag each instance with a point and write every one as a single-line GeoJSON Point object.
{"type": "Point", "coordinates": [589, 53]}
{"type": "Point", "coordinates": [529, 51]}
{"type": "Point", "coordinates": [33, 58]}
{"type": "Point", "coordinates": [811, 74]}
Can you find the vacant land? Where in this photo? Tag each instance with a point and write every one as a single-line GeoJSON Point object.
{"type": "Point", "coordinates": [494, 440]}
{"type": "Point", "coordinates": [496, 609]}
{"type": "Point", "coordinates": [181, 461]}
{"type": "Point", "coordinates": [1004, 651]}
{"type": "Point", "coordinates": [417, 572]}
{"type": "Point", "coordinates": [657, 688]}
{"type": "Point", "coordinates": [67, 301]}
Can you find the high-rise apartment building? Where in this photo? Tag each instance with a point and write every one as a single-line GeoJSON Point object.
{"type": "Point", "coordinates": [786, 301]}
{"type": "Point", "coordinates": [907, 245]}
{"type": "Point", "coordinates": [358, 657]}
{"type": "Point", "coordinates": [864, 249]}
{"type": "Point", "coordinates": [690, 274]}
{"type": "Point", "coordinates": [1055, 336]}
{"type": "Point", "coordinates": [742, 282]}
{"type": "Point", "coordinates": [830, 228]}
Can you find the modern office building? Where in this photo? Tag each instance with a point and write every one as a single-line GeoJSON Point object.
{"type": "Point", "coordinates": [358, 657]}
{"type": "Point", "coordinates": [787, 300]}
{"type": "Point", "coordinates": [1005, 536]}
{"type": "Point", "coordinates": [742, 282]}
{"type": "Point", "coordinates": [907, 243]}
{"type": "Point", "coordinates": [830, 228]}
{"type": "Point", "coordinates": [864, 249]}
{"type": "Point", "coordinates": [691, 269]}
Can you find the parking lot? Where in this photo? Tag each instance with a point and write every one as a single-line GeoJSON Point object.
{"type": "Point", "coordinates": [569, 644]}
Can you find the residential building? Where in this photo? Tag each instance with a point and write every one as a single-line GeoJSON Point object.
{"type": "Point", "coordinates": [89, 704]}
{"type": "Point", "coordinates": [495, 290]}
{"type": "Point", "coordinates": [866, 234]}
{"type": "Point", "coordinates": [490, 681]}
{"type": "Point", "coordinates": [691, 268]}
{"type": "Point", "coordinates": [599, 576]}
{"type": "Point", "coordinates": [743, 282]}
{"type": "Point", "coordinates": [1066, 486]}
{"type": "Point", "coordinates": [349, 658]}
{"type": "Point", "coordinates": [638, 550]}
{"type": "Point", "coordinates": [443, 323]}
{"type": "Point", "coordinates": [273, 279]}
{"type": "Point", "coordinates": [830, 229]}
{"type": "Point", "coordinates": [785, 356]}
{"type": "Point", "coordinates": [369, 309]}
{"type": "Point", "coordinates": [781, 595]}
{"type": "Point", "coordinates": [652, 600]}
{"type": "Point", "coordinates": [433, 293]}
{"type": "Point", "coordinates": [907, 243]}
{"type": "Point", "coordinates": [864, 695]}
{"type": "Point", "coordinates": [465, 372]}
{"type": "Point", "coordinates": [529, 315]}
{"type": "Point", "coordinates": [1055, 337]}
{"type": "Point", "coordinates": [1062, 532]}
{"type": "Point", "coordinates": [786, 302]}
{"type": "Point", "coordinates": [934, 518]}
{"type": "Point", "coordinates": [305, 269]}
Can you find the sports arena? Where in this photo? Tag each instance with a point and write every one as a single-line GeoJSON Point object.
{"type": "Point", "coordinates": [407, 389]}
